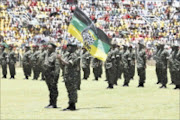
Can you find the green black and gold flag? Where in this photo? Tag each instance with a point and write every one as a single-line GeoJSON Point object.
{"type": "Point", "coordinates": [93, 39]}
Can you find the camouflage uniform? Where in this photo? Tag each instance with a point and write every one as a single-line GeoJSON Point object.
{"type": "Point", "coordinates": [86, 64]}
{"type": "Point", "coordinates": [26, 63]}
{"type": "Point", "coordinates": [119, 63]}
{"type": "Point", "coordinates": [110, 66]}
{"type": "Point", "coordinates": [141, 66]}
{"type": "Point", "coordinates": [96, 65]}
{"type": "Point", "coordinates": [163, 66]}
{"type": "Point", "coordinates": [157, 57]}
{"type": "Point", "coordinates": [78, 52]}
{"type": "Point", "coordinates": [71, 76]}
{"type": "Point", "coordinates": [175, 70]}
{"type": "Point", "coordinates": [3, 62]}
{"type": "Point", "coordinates": [41, 63]}
{"type": "Point", "coordinates": [51, 70]}
{"type": "Point", "coordinates": [35, 66]}
{"type": "Point", "coordinates": [171, 64]}
{"type": "Point", "coordinates": [11, 62]}
{"type": "Point", "coordinates": [126, 66]}
{"type": "Point", "coordinates": [132, 63]}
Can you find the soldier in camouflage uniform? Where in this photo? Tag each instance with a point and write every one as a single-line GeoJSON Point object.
{"type": "Point", "coordinates": [171, 57]}
{"type": "Point", "coordinates": [96, 65]}
{"type": "Point", "coordinates": [41, 61]}
{"type": "Point", "coordinates": [156, 57]}
{"type": "Point", "coordinates": [3, 61]}
{"type": "Point", "coordinates": [163, 59]}
{"type": "Point", "coordinates": [26, 62]}
{"type": "Point", "coordinates": [119, 63]}
{"type": "Point", "coordinates": [175, 68]}
{"type": "Point", "coordinates": [70, 74]}
{"type": "Point", "coordinates": [132, 62]}
{"type": "Point", "coordinates": [34, 62]}
{"type": "Point", "coordinates": [110, 66]}
{"type": "Point", "coordinates": [11, 62]}
{"type": "Point", "coordinates": [126, 65]}
{"type": "Point", "coordinates": [51, 69]}
{"type": "Point", "coordinates": [86, 63]}
{"type": "Point", "coordinates": [78, 52]}
{"type": "Point", "coordinates": [141, 64]}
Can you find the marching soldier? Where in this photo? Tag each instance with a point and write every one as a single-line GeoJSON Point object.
{"type": "Point", "coordinates": [34, 62]}
{"type": "Point", "coordinates": [86, 63]}
{"type": "Point", "coordinates": [132, 62]}
{"type": "Point", "coordinates": [175, 68]}
{"type": "Point", "coordinates": [26, 62]}
{"type": "Point", "coordinates": [164, 55]}
{"type": "Point", "coordinates": [158, 64]}
{"type": "Point", "coordinates": [3, 60]}
{"type": "Point", "coordinates": [171, 57]}
{"type": "Point", "coordinates": [70, 74]}
{"type": "Point", "coordinates": [51, 72]}
{"type": "Point", "coordinates": [11, 62]}
{"type": "Point", "coordinates": [95, 65]}
{"type": "Point", "coordinates": [126, 65]}
{"type": "Point", "coordinates": [41, 60]}
{"type": "Point", "coordinates": [110, 66]}
{"type": "Point", "coordinates": [141, 64]}
{"type": "Point", "coordinates": [119, 63]}
{"type": "Point", "coordinates": [78, 52]}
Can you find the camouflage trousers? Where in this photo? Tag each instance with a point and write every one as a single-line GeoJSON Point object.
{"type": "Point", "coordinates": [111, 77]}
{"type": "Point", "coordinates": [132, 71]}
{"type": "Point", "coordinates": [86, 72]}
{"type": "Point", "coordinates": [71, 87]}
{"type": "Point", "coordinates": [175, 77]}
{"type": "Point", "coordinates": [163, 74]}
{"type": "Point", "coordinates": [12, 69]}
{"type": "Point", "coordinates": [27, 69]}
{"type": "Point", "coordinates": [158, 74]}
{"type": "Point", "coordinates": [51, 82]}
{"type": "Point", "coordinates": [142, 75]}
{"type": "Point", "coordinates": [126, 75]}
{"type": "Point", "coordinates": [4, 68]}
{"type": "Point", "coordinates": [36, 72]}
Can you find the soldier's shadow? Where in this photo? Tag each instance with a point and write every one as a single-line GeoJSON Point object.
{"type": "Point", "coordinates": [91, 108]}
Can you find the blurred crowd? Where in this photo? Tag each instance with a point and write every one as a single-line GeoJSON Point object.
{"type": "Point", "coordinates": [33, 21]}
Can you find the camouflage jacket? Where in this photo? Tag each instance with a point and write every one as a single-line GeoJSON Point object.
{"type": "Point", "coordinates": [27, 57]}
{"type": "Point", "coordinates": [86, 60]}
{"type": "Point", "coordinates": [11, 58]}
{"type": "Point", "coordinates": [96, 63]}
{"type": "Point", "coordinates": [51, 64]}
{"type": "Point", "coordinates": [34, 58]}
{"type": "Point", "coordinates": [141, 59]}
{"type": "Point", "coordinates": [163, 59]}
{"type": "Point", "coordinates": [126, 59]}
{"type": "Point", "coordinates": [3, 58]}
{"type": "Point", "coordinates": [71, 70]}
{"type": "Point", "coordinates": [175, 65]}
{"type": "Point", "coordinates": [132, 57]}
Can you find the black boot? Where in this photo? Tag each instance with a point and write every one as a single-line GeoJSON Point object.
{"type": "Point", "coordinates": [141, 85]}
{"type": "Point", "coordinates": [125, 85]}
{"type": "Point", "coordinates": [27, 77]}
{"type": "Point", "coordinates": [177, 87]}
{"type": "Point", "coordinates": [73, 106]}
{"type": "Point", "coordinates": [110, 86]}
{"type": "Point", "coordinates": [96, 78]}
{"type": "Point", "coordinates": [4, 76]}
{"type": "Point", "coordinates": [163, 86]}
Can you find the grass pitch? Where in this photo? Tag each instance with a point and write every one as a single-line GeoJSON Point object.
{"type": "Point", "coordinates": [25, 99]}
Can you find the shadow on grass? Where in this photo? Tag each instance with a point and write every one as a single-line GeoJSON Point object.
{"type": "Point", "coordinates": [90, 108]}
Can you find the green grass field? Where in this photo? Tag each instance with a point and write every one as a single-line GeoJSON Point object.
{"type": "Point", "coordinates": [25, 99]}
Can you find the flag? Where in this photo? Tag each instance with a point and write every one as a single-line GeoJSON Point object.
{"type": "Point", "coordinates": [93, 39]}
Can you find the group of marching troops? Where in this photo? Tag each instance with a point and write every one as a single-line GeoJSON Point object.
{"type": "Point", "coordinates": [121, 60]}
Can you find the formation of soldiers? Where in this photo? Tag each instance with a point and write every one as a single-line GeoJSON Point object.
{"type": "Point", "coordinates": [121, 60]}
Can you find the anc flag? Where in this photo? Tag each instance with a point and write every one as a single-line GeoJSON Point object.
{"type": "Point", "coordinates": [93, 39]}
